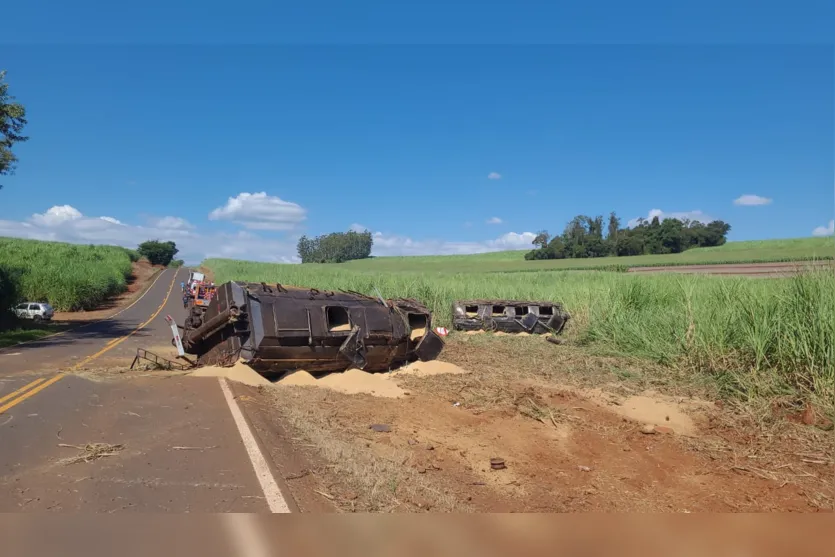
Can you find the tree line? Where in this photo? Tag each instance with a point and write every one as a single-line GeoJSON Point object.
{"type": "Point", "coordinates": [336, 247]}
{"type": "Point", "coordinates": [159, 253]}
{"type": "Point", "coordinates": [585, 236]}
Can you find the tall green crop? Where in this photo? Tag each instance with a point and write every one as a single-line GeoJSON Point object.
{"type": "Point", "coordinates": [68, 276]}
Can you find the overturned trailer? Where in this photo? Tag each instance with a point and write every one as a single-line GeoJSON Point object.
{"type": "Point", "coordinates": [509, 316]}
{"type": "Point", "coordinates": [277, 328]}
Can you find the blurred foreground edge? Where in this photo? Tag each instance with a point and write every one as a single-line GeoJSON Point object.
{"type": "Point", "coordinates": [497, 534]}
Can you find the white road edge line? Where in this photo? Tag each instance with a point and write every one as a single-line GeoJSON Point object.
{"type": "Point", "coordinates": [272, 493]}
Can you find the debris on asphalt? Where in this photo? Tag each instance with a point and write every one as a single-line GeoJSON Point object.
{"type": "Point", "coordinates": [497, 464]}
{"type": "Point", "coordinates": [90, 452]}
{"type": "Point", "coordinates": [301, 474]}
{"type": "Point", "coordinates": [325, 495]}
{"type": "Point", "coordinates": [239, 372]}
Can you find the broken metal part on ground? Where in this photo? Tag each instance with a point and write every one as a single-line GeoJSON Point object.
{"type": "Point", "coordinates": [509, 316]}
{"type": "Point", "coordinates": [277, 328]}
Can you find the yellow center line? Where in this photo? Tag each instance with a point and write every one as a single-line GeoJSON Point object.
{"type": "Point", "coordinates": [38, 385]}
{"type": "Point", "coordinates": [33, 392]}
{"type": "Point", "coordinates": [112, 344]}
{"type": "Point", "coordinates": [20, 390]}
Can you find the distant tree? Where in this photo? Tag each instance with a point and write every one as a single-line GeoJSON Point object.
{"type": "Point", "coordinates": [158, 253]}
{"type": "Point", "coordinates": [12, 121]}
{"type": "Point", "coordinates": [305, 249]}
{"type": "Point", "coordinates": [628, 244]}
{"type": "Point", "coordinates": [583, 237]}
{"type": "Point", "coordinates": [336, 247]}
{"type": "Point", "coordinates": [612, 231]}
{"type": "Point", "coordinates": [541, 239]}
{"type": "Point", "coordinates": [614, 226]}
{"type": "Point", "coordinates": [176, 263]}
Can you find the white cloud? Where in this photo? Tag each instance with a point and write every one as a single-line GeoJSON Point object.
{"type": "Point", "coordinates": [825, 230]}
{"type": "Point", "coordinates": [386, 244]}
{"type": "Point", "coordinates": [56, 215]}
{"type": "Point", "coordinates": [494, 176]}
{"type": "Point", "coordinates": [512, 240]}
{"type": "Point", "coordinates": [170, 223]}
{"type": "Point", "coordinates": [494, 220]}
{"type": "Point", "coordinates": [689, 215]}
{"type": "Point", "coordinates": [259, 211]}
{"type": "Point", "coordinates": [750, 200]}
{"type": "Point", "coordinates": [67, 224]}
{"type": "Point", "coordinates": [357, 228]}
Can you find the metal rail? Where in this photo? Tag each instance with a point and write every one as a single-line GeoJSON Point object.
{"type": "Point", "coordinates": [159, 361]}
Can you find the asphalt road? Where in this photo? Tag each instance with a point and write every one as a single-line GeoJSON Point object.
{"type": "Point", "coordinates": [86, 344]}
{"type": "Point", "coordinates": [174, 445]}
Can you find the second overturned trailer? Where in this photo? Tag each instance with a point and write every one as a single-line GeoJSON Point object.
{"type": "Point", "coordinates": [509, 316]}
{"type": "Point", "coordinates": [277, 328]}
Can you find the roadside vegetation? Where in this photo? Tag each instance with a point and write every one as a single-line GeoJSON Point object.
{"type": "Point", "coordinates": [71, 277]}
{"type": "Point", "coordinates": [752, 337]}
{"type": "Point", "coordinates": [68, 276]}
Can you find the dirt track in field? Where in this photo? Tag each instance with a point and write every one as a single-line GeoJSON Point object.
{"type": "Point", "coordinates": [758, 270]}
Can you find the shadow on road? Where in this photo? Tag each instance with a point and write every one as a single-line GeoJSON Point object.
{"type": "Point", "coordinates": [104, 330]}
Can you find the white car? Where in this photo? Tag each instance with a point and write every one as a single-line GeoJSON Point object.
{"type": "Point", "coordinates": [36, 311]}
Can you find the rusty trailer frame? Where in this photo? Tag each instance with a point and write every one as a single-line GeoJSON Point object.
{"type": "Point", "coordinates": [276, 328]}
{"type": "Point", "coordinates": [509, 316]}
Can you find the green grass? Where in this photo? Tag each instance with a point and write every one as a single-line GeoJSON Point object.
{"type": "Point", "coordinates": [755, 337]}
{"type": "Point", "coordinates": [68, 276]}
{"type": "Point", "coordinates": [16, 336]}
{"type": "Point", "coordinates": [762, 251]}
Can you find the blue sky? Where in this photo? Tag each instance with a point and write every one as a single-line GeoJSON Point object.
{"type": "Point", "coordinates": [181, 140]}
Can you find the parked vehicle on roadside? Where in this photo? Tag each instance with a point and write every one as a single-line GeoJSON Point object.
{"type": "Point", "coordinates": [36, 311]}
